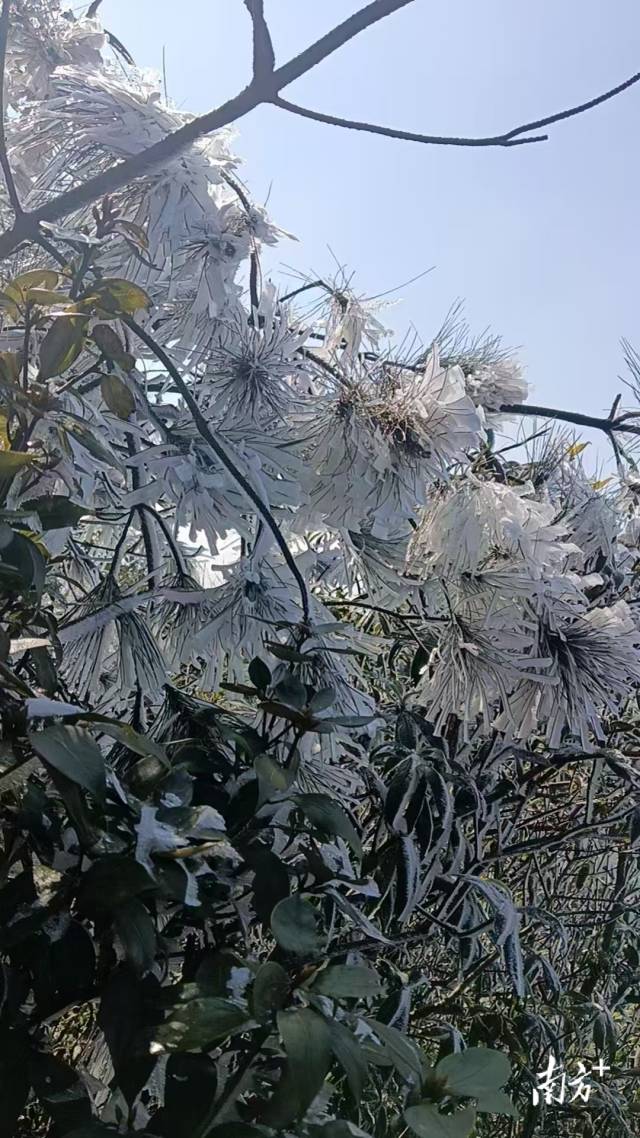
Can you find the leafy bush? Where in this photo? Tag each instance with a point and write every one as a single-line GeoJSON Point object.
{"type": "Point", "coordinates": [318, 798]}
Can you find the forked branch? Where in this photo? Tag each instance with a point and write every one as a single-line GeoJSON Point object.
{"type": "Point", "coordinates": [517, 136]}
{"type": "Point", "coordinates": [265, 86]}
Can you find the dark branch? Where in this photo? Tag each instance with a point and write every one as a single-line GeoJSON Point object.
{"type": "Point", "coordinates": [511, 137]}
{"type": "Point", "coordinates": [404, 135]}
{"type": "Point", "coordinates": [265, 87]}
{"type": "Point", "coordinates": [168, 536]}
{"type": "Point", "coordinates": [148, 538]}
{"type": "Point", "coordinates": [304, 288]}
{"type": "Point", "coordinates": [162, 152]}
{"type": "Point", "coordinates": [254, 256]}
{"type": "Point", "coordinates": [4, 157]}
{"type": "Point", "coordinates": [580, 109]}
{"type": "Point", "coordinates": [594, 422]}
{"type": "Point", "coordinates": [217, 448]}
{"type": "Point", "coordinates": [335, 39]}
{"type": "Point", "coordinates": [264, 60]}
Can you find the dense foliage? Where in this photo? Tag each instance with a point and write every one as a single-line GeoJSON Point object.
{"type": "Point", "coordinates": [318, 793]}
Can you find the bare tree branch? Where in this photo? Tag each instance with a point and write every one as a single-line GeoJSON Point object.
{"type": "Point", "coordinates": [264, 60]}
{"type": "Point", "coordinates": [580, 109]}
{"type": "Point", "coordinates": [596, 423]}
{"type": "Point", "coordinates": [404, 135]}
{"type": "Point", "coordinates": [4, 158]}
{"type": "Point", "coordinates": [162, 152]}
{"type": "Point", "coordinates": [337, 37]}
{"type": "Point", "coordinates": [265, 87]}
{"type": "Point", "coordinates": [512, 137]}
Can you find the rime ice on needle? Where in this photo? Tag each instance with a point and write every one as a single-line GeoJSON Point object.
{"type": "Point", "coordinates": [519, 578]}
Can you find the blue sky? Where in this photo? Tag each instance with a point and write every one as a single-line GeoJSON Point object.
{"type": "Point", "coordinates": [542, 242]}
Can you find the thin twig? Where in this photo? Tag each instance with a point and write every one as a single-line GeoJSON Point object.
{"type": "Point", "coordinates": [209, 437]}
{"type": "Point", "coordinates": [595, 422]}
{"type": "Point", "coordinates": [402, 135]}
{"type": "Point", "coordinates": [579, 109]}
{"type": "Point", "coordinates": [254, 255]}
{"type": "Point", "coordinates": [513, 137]}
{"type": "Point", "coordinates": [4, 157]}
{"type": "Point", "coordinates": [304, 288]}
{"type": "Point", "coordinates": [148, 538]}
{"type": "Point", "coordinates": [169, 538]}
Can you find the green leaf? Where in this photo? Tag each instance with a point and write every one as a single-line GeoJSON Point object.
{"type": "Point", "coordinates": [198, 1024]}
{"type": "Point", "coordinates": [270, 991]}
{"type": "Point", "coordinates": [88, 440]}
{"type": "Point", "coordinates": [60, 1091]}
{"type": "Point", "coordinates": [426, 1121]}
{"type": "Point", "coordinates": [291, 691]}
{"type": "Point", "coordinates": [56, 511]}
{"type": "Point", "coordinates": [117, 297]}
{"type": "Point", "coordinates": [33, 278]}
{"type": "Point", "coordinates": [329, 816]}
{"type": "Point", "coordinates": [10, 370]}
{"type": "Point", "coordinates": [496, 1102]}
{"type": "Point", "coordinates": [293, 923]}
{"type": "Point", "coordinates": [284, 652]}
{"type": "Point", "coordinates": [270, 880]}
{"type": "Point", "coordinates": [282, 711]}
{"type": "Point", "coordinates": [322, 699]}
{"type": "Point", "coordinates": [24, 560]}
{"type": "Point", "coordinates": [306, 1039]}
{"type": "Point", "coordinates": [348, 720]}
{"type": "Point", "coordinates": [344, 981]}
{"type": "Point", "coordinates": [399, 1050]}
{"type": "Point", "coordinates": [474, 1071]}
{"type": "Point", "coordinates": [270, 771]}
{"type": "Point", "coordinates": [259, 674]}
{"type": "Point", "coordinates": [117, 396]}
{"type": "Point", "coordinates": [126, 735]}
{"type": "Point", "coordinates": [13, 460]}
{"type": "Point", "coordinates": [111, 346]}
{"type": "Point", "coordinates": [137, 932]}
{"type": "Point", "coordinates": [351, 1057]}
{"type": "Point", "coordinates": [74, 753]}
{"type": "Point", "coordinates": [46, 297]}
{"type": "Point", "coordinates": [62, 345]}
{"type": "Point", "coordinates": [112, 881]}
{"type": "Point", "coordinates": [189, 1091]}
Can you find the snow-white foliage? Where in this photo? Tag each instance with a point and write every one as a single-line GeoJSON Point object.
{"type": "Point", "coordinates": [377, 471]}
